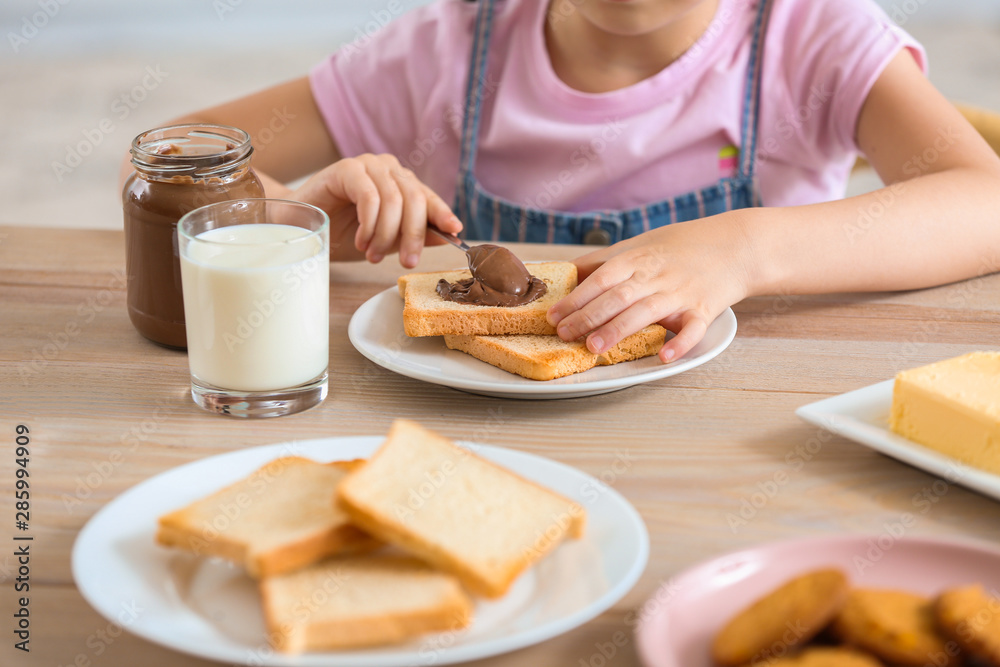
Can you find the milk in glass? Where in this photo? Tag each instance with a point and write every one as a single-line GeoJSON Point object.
{"type": "Point", "coordinates": [255, 301]}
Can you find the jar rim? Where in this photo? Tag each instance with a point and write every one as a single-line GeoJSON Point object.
{"type": "Point", "coordinates": [221, 149]}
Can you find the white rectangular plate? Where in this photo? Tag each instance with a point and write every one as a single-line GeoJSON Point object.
{"type": "Point", "coordinates": [863, 416]}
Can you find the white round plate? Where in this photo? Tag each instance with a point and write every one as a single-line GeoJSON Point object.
{"type": "Point", "coordinates": [376, 331]}
{"type": "Point", "coordinates": [677, 624]}
{"type": "Point", "coordinates": [210, 609]}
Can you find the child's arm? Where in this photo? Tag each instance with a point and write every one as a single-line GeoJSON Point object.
{"type": "Point", "coordinates": [375, 205]}
{"type": "Point", "coordinates": [936, 222]}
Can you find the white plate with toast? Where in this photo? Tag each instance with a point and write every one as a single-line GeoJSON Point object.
{"type": "Point", "coordinates": [376, 331]}
{"type": "Point", "coordinates": [211, 609]}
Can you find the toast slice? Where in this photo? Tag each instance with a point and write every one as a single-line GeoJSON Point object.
{"type": "Point", "coordinates": [550, 357]}
{"type": "Point", "coordinates": [426, 313]}
{"type": "Point", "coordinates": [360, 601]}
{"type": "Point", "coordinates": [276, 520]}
{"type": "Point", "coordinates": [455, 510]}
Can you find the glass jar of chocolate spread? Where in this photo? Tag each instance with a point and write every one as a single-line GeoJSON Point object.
{"type": "Point", "coordinates": [177, 169]}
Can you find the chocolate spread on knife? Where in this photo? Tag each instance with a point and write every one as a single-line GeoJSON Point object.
{"type": "Point", "coordinates": [498, 279]}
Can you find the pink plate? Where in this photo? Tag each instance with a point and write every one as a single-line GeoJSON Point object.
{"type": "Point", "coordinates": [676, 625]}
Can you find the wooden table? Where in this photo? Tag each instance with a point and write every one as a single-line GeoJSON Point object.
{"type": "Point", "coordinates": [700, 444]}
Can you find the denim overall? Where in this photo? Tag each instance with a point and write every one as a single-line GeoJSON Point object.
{"type": "Point", "coordinates": [488, 217]}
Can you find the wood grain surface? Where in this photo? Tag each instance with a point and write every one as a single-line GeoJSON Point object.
{"type": "Point", "coordinates": [699, 445]}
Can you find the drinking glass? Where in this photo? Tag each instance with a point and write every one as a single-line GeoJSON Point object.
{"type": "Point", "coordinates": [255, 277]}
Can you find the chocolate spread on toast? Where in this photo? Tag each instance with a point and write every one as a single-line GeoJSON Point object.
{"type": "Point", "coordinates": [498, 279]}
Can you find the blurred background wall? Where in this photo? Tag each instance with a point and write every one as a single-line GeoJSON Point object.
{"type": "Point", "coordinates": [88, 75]}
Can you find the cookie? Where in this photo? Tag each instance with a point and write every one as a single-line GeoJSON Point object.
{"type": "Point", "coordinates": [896, 626]}
{"type": "Point", "coordinates": [781, 620]}
{"type": "Point", "coordinates": [827, 656]}
{"type": "Point", "coordinates": [971, 618]}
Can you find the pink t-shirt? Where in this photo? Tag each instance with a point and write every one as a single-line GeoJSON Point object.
{"type": "Point", "coordinates": [547, 145]}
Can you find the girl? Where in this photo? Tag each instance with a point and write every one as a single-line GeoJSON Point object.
{"type": "Point", "coordinates": [707, 141]}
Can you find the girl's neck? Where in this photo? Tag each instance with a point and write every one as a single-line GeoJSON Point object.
{"type": "Point", "coordinates": [602, 46]}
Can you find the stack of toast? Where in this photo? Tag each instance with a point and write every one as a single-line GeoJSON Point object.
{"type": "Point", "coordinates": [518, 339]}
{"type": "Point", "coordinates": [362, 553]}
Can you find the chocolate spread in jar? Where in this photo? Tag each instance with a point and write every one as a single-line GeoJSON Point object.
{"type": "Point", "coordinates": [178, 169]}
{"type": "Point", "coordinates": [498, 279]}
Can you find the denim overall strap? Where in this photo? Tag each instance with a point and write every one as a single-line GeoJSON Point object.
{"type": "Point", "coordinates": [751, 99]}
{"type": "Point", "coordinates": [490, 217]}
{"type": "Point", "coordinates": [474, 96]}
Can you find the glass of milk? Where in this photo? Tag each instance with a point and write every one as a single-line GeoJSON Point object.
{"type": "Point", "coordinates": [255, 275]}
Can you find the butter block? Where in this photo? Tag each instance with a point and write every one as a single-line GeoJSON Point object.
{"type": "Point", "coordinates": [952, 406]}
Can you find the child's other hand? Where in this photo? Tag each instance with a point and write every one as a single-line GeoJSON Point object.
{"type": "Point", "coordinates": [379, 203]}
{"type": "Point", "coordinates": [681, 276]}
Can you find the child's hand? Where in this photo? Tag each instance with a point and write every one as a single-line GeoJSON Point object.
{"type": "Point", "coordinates": [379, 203]}
{"type": "Point", "coordinates": [682, 276]}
